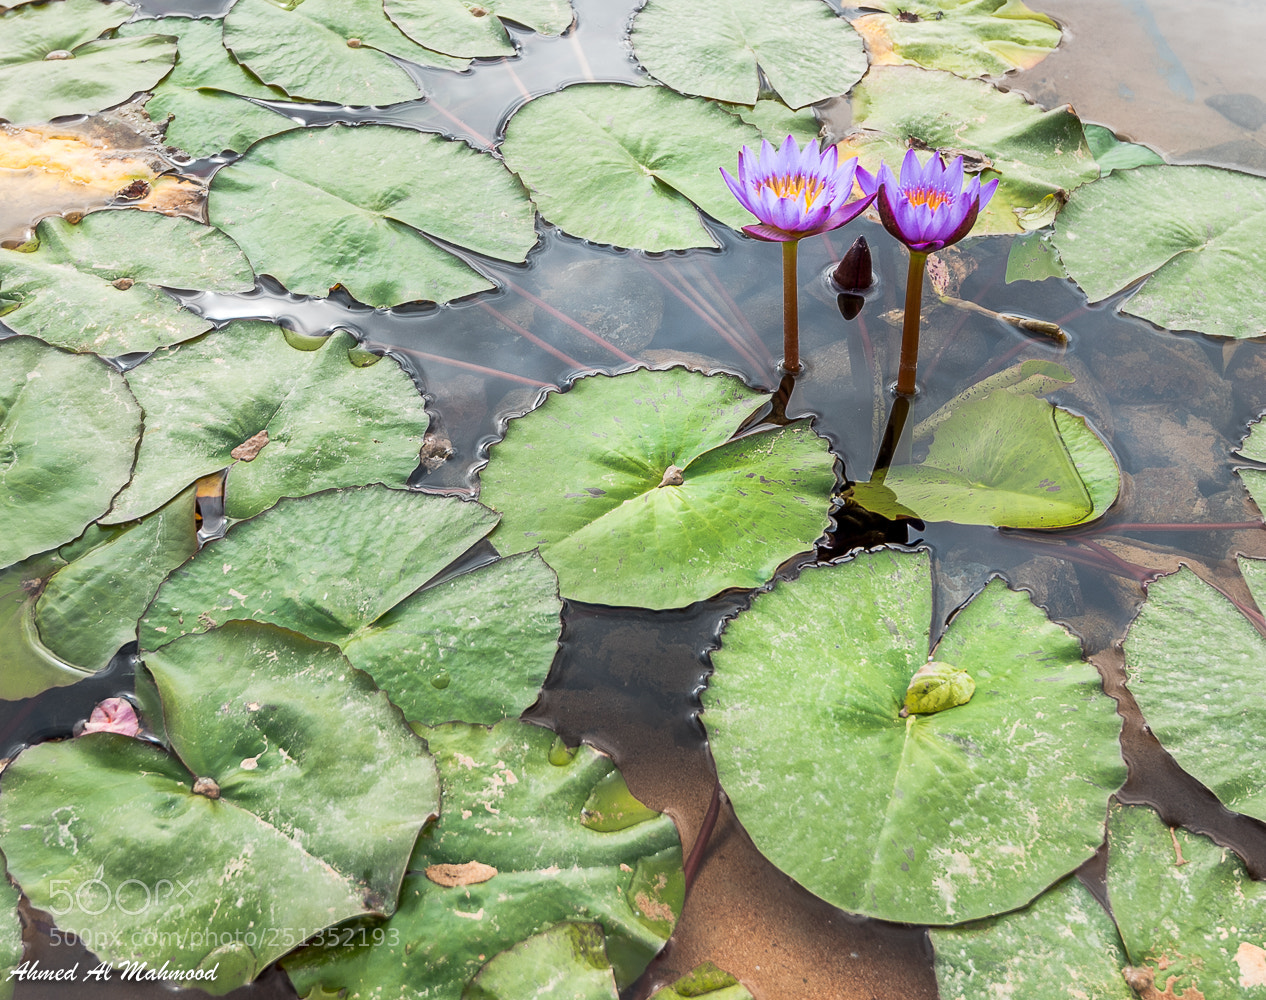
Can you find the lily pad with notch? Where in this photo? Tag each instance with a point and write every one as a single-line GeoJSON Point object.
{"type": "Point", "coordinates": [341, 51]}
{"type": "Point", "coordinates": [966, 37]}
{"type": "Point", "coordinates": [295, 202]}
{"type": "Point", "coordinates": [1033, 152]}
{"type": "Point", "coordinates": [1198, 271]}
{"type": "Point", "coordinates": [368, 570]}
{"type": "Point", "coordinates": [288, 800]}
{"type": "Point", "coordinates": [476, 30]}
{"type": "Point", "coordinates": [97, 285]}
{"type": "Point", "coordinates": [516, 850]}
{"type": "Point", "coordinates": [639, 489]}
{"type": "Point", "coordinates": [928, 818]}
{"type": "Point", "coordinates": [722, 48]}
{"type": "Point", "coordinates": [283, 421]}
{"type": "Point", "coordinates": [1008, 459]}
{"type": "Point", "coordinates": [53, 62]}
{"type": "Point", "coordinates": [69, 426]}
{"type": "Point", "coordinates": [630, 166]}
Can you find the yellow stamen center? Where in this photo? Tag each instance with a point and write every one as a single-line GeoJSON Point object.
{"type": "Point", "coordinates": [795, 186]}
{"type": "Point", "coordinates": [931, 197]}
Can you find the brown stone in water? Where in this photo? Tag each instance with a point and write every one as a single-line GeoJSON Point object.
{"type": "Point", "coordinates": [249, 449]}
{"type": "Point", "coordinates": [469, 873]}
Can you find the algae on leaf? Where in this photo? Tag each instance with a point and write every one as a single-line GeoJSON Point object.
{"type": "Point", "coordinates": [515, 802]}
{"type": "Point", "coordinates": [638, 491]}
{"type": "Point", "coordinates": [936, 819]}
{"type": "Point", "coordinates": [289, 800]}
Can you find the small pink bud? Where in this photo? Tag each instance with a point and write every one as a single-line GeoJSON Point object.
{"type": "Point", "coordinates": [114, 715]}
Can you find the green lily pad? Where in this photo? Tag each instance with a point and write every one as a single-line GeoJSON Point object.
{"type": "Point", "coordinates": [68, 432]}
{"type": "Point", "coordinates": [628, 165]}
{"type": "Point", "coordinates": [328, 421]}
{"type": "Point", "coordinates": [203, 93]}
{"type": "Point", "coordinates": [637, 492]}
{"type": "Point", "coordinates": [966, 37]}
{"type": "Point", "coordinates": [720, 48]}
{"type": "Point", "coordinates": [1198, 265]}
{"type": "Point", "coordinates": [514, 801]}
{"type": "Point", "coordinates": [352, 567]}
{"type": "Point", "coordinates": [776, 121]}
{"type": "Point", "coordinates": [1202, 699]}
{"type": "Point", "coordinates": [342, 51]}
{"type": "Point", "coordinates": [470, 30]}
{"type": "Point", "coordinates": [1254, 448]}
{"type": "Point", "coordinates": [296, 201]}
{"type": "Point", "coordinates": [95, 286]}
{"type": "Point", "coordinates": [289, 801]}
{"type": "Point", "coordinates": [1195, 928]}
{"type": "Point", "coordinates": [931, 819]}
{"type": "Point", "coordinates": [1062, 945]}
{"type": "Point", "coordinates": [1112, 153]}
{"type": "Point", "coordinates": [10, 935]}
{"type": "Point", "coordinates": [566, 962]}
{"type": "Point", "coordinates": [27, 666]}
{"type": "Point", "coordinates": [52, 63]}
{"type": "Point", "coordinates": [1007, 459]}
{"type": "Point", "coordinates": [704, 980]}
{"type": "Point", "coordinates": [1032, 152]}
{"type": "Point", "coordinates": [89, 607]}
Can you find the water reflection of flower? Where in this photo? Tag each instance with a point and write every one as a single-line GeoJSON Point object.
{"type": "Point", "coordinates": [928, 208]}
{"type": "Point", "coordinates": [797, 193]}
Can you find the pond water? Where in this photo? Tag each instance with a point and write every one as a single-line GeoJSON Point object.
{"type": "Point", "coordinates": [1175, 75]}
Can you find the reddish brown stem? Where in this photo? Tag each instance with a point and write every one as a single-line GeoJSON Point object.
{"type": "Point", "coordinates": [564, 318]}
{"type": "Point", "coordinates": [691, 868]}
{"type": "Point", "coordinates": [528, 335]}
{"type": "Point", "coordinates": [910, 325]}
{"type": "Point", "coordinates": [475, 368]}
{"type": "Point", "coordinates": [790, 310]}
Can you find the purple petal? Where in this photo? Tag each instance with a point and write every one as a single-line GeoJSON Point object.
{"type": "Point", "coordinates": [770, 234]}
{"type": "Point", "coordinates": [986, 192]}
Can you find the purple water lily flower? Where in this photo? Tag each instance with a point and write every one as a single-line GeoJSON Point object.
{"type": "Point", "coordinates": [797, 193]}
{"type": "Point", "coordinates": [928, 209]}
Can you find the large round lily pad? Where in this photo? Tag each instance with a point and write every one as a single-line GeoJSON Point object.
{"type": "Point", "coordinates": [342, 51]}
{"type": "Point", "coordinates": [353, 567]}
{"type": "Point", "coordinates": [290, 800]}
{"type": "Point", "coordinates": [476, 30]}
{"type": "Point", "coordinates": [95, 286]}
{"type": "Point", "coordinates": [517, 849]}
{"type": "Point", "coordinates": [1192, 920]}
{"type": "Point", "coordinates": [68, 432]}
{"type": "Point", "coordinates": [1199, 268]}
{"type": "Point", "coordinates": [1033, 152]}
{"type": "Point", "coordinates": [203, 94]}
{"type": "Point", "coordinates": [935, 818]}
{"type": "Point", "coordinates": [720, 48]}
{"type": "Point", "coordinates": [1063, 945]}
{"type": "Point", "coordinates": [52, 63]}
{"type": "Point", "coordinates": [328, 422]}
{"type": "Point", "coordinates": [1008, 459]}
{"type": "Point", "coordinates": [628, 165]}
{"type": "Point", "coordinates": [1194, 666]}
{"type": "Point", "coordinates": [637, 492]}
{"type": "Point", "coordinates": [965, 37]}
{"type": "Point", "coordinates": [297, 201]}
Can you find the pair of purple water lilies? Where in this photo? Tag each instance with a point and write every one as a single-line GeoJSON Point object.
{"type": "Point", "coordinates": [797, 193]}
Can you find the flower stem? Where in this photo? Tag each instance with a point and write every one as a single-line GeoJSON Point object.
{"type": "Point", "coordinates": [790, 310]}
{"type": "Point", "coordinates": [910, 325]}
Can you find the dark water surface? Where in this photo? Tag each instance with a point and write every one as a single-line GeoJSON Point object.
{"type": "Point", "coordinates": [1177, 75]}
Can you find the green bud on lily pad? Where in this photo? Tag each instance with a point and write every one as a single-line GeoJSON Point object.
{"type": "Point", "coordinates": [936, 687]}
